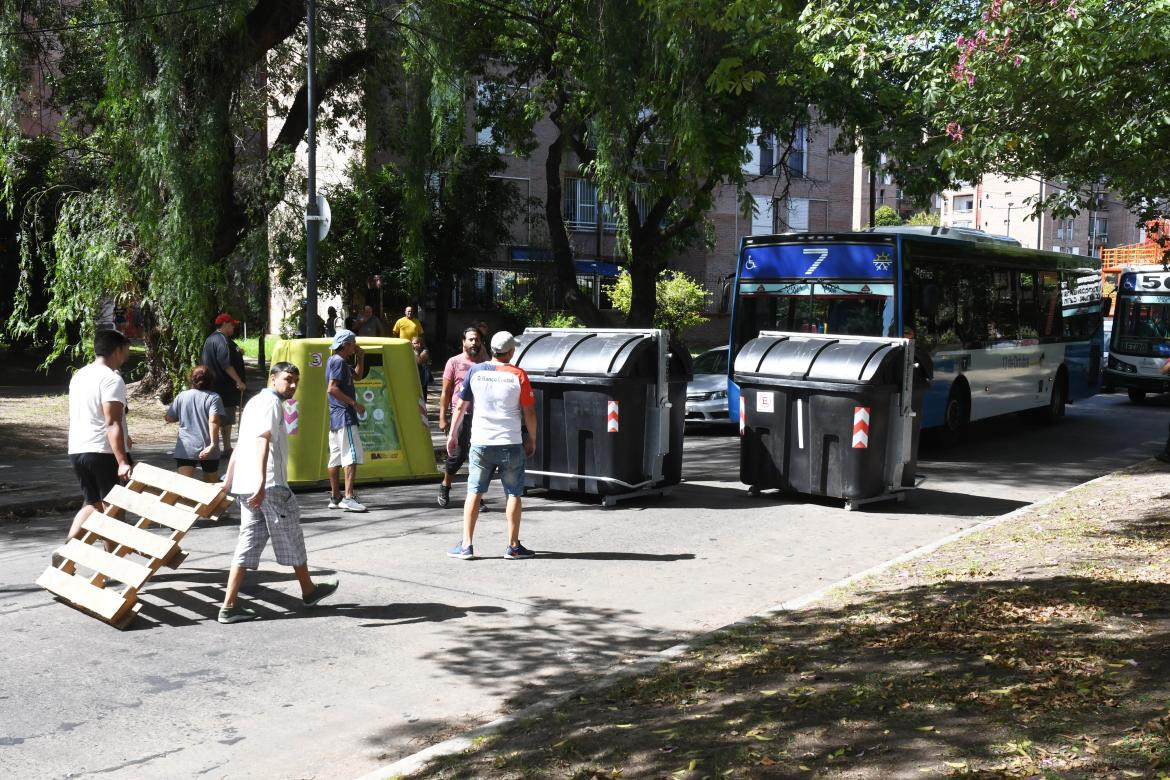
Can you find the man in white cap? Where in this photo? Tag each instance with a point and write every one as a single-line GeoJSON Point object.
{"type": "Point", "coordinates": [503, 402]}
{"type": "Point", "coordinates": [345, 443]}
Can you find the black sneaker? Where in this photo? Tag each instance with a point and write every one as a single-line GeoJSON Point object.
{"type": "Point", "coordinates": [517, 552]}
{"type": "Point", "coordinates": [444, 495]}
{"type": "Point", "coordinates": [322, 591]}
{"type": "Point", "coordinates": [236, 614]}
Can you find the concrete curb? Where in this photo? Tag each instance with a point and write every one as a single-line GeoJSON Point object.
{"type": "Point", "coordinates": [409, 765]}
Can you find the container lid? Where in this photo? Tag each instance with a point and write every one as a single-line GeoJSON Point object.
{"type": "Point", "coordinates": [580, 352]}
{"type": "Point", "coordinates": [817, 357]}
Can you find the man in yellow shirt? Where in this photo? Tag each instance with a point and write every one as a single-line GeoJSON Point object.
{"type": "Point", "coordinates": [407, 327]}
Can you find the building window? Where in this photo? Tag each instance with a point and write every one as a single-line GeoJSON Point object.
{"type": "Point", "coordinates": [964, 203]}
{"type": "Point", "coordinates": [483, 135]}
{"type": "Point", "coordinates": [763, 220]}
{"type": "Point", "coordinates": [581, 207]}
{"type": "Point", "coordinates": [798, 214]}
{"type": "Point", "coordinates": [763, 154]}
{"type": "Point", "coordinates": [1099, 227]}
{"type": "Point", "coordinates": [1064, 230]}
{"type": "Point", "coordinates": [798, 155]}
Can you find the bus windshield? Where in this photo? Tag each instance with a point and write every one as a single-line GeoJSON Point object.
{"type": "Point", "coordinates": [1140, 323]}
{"type": "Point", "coordinates": [845, 308]}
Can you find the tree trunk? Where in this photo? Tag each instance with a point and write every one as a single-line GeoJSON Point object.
{"type": "Point", "coordinates": [643, 278]}
{"type": "Point", "coordinates": [566, 273]}
{"type": "Point", "coordinates": [438, 345]}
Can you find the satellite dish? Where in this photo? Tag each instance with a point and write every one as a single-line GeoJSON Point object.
{"type": "Point", "coordinates": [325, 217]}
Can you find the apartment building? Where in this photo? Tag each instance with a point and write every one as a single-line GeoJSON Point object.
{"type": "Point", "coordinates": [817, 195]}
{"type": "Point", "coordinates": [1003, 206]}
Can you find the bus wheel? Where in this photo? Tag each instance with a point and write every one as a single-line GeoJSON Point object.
{"type": "Point", "coordinates": [1056, 402]}
{"type": "Point", "coordinates": [1137, 396]}
{"type": "Point", "coordinates": [958, 411]}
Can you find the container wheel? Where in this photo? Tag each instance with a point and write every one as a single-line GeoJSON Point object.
{"type": "Point", "coordinates": [1137, 396]}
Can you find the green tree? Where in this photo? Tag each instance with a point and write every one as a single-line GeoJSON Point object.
{"type": "Point", "coordinates": [884, 216]}
{"type": "Point", "coordinates": [655, 101]}
{"type": "Point", "coordinates": [680, 301]}
{"type": "Point", "coordinates": [1071, 91]}
{"type": "Point", "coordinates": [162, 109]}
{"type": "Point", "coordinates": [927, 218]}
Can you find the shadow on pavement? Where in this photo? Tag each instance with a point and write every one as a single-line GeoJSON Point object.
{"type": "Point", "coordinates": [549, 648]}
{"type": "Point", "coordinates": [177, 607]}
{"type": "Point", "coordinates": [611, 556]}
{"type": "Point", "coordinates": [959, 671]}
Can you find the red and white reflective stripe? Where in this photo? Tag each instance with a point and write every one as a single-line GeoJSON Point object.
{"type": "Point", "coordinates": [611, 425]}
{"type": "Point", "coordinates": [742, 415]}
{"type": "Point", "coordinates": [860, 427]}
{"type": "Point", "coordinates": [291, 417]}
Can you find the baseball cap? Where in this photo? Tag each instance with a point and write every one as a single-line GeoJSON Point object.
{"type": "Point", "coordinates": [503, 342]}
{"type": "Point", "coordinates": [223, 317]}
{"type": "Point", "coordinates": [342, 338]}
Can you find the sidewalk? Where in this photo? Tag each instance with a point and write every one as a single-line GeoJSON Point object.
{"type": "Point", "coordinates": [47, 483]}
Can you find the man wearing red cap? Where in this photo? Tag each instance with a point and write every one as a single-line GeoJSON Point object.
{"type": "Point", "coordinates": [226, 362]}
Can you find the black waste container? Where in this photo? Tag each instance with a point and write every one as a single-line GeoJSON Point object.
{"type": "Point", "coordinates": [823, 415]}
{"type": "Point", "coordinates": [611, 406]}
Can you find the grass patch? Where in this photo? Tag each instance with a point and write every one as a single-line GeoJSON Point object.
{"type": "Point", "coordinates": [1035, 648]}
{"type": "Point", "coordinates": [251, 346]}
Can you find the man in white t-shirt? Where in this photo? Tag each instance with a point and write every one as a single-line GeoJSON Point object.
{"type": "Point", "coordinates": [258, 476]}
{"type": "Point", "coordinates": [97, 422]}
{"type": "Point", "coordinates": [505, 410]}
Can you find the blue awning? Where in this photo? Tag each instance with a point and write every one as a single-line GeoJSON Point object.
{"type": "Point", "coordinates": [596, 267]}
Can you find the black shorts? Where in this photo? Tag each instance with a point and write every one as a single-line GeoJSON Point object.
{"type": "Point", "coordinates": [209, 466]}
{"type": "Point", "coordinates": [454, 462]}
{"type": "Point", "coordinates": [97, 472]}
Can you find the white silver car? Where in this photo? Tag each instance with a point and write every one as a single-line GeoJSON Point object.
{"type": "Point", "coordinates": [707, 392]}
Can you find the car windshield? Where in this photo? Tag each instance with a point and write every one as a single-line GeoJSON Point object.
{"type": "Point", "coordinates": [713, 362]}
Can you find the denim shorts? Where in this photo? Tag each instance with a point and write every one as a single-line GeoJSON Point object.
{"type": "Point", "coordinates": [489, 459]}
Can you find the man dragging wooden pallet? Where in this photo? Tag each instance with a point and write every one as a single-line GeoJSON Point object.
{"type": "Point", "coordinates": [258, 476]}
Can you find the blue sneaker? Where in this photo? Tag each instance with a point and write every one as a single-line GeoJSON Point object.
{"type": "Point", "coordinates": [517, 552]}
{"type": "Point", "coordinates": [462, 552]}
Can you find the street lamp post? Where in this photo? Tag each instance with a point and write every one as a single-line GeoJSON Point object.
{"type": "Point", "coordinates": [1008, 221]}
{"type": "Point", "coordinates": [312, 218]}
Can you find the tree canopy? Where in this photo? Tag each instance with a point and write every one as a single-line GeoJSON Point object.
{"type": "Point", "coordinates": [160, 177]}
{"type": "Point", "coordinates": [1068, 90]}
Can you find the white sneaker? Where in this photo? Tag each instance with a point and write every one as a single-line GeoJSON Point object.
{"type": "Point", "coordinates": [334, 503]}
{"type": "Point", "coordinates": [350, 504]}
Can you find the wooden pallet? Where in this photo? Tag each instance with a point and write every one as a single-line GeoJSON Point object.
{"type": "Point", "coordinates": [139, 533]}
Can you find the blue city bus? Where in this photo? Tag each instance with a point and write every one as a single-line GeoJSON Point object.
{"type": "Point", "coordinates": [1007, 329]}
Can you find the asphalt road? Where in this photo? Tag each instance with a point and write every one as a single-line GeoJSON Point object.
{"type": "Point", "coordinates": [416, 646]}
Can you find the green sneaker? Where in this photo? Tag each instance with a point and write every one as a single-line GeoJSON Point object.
{"type": "Point", "coordinates": [236, 614]}
{"type": "Point", "coordinates": [322, 591]}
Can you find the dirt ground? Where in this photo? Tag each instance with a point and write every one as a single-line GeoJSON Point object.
{"type": "Point", "coordinates": [1033, 648]}
{"type": "Point", "coordinates": [34, 407]}
{"type": "Point", "coordinates": [38, 424]}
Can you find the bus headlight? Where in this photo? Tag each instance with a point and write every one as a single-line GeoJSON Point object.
{"type": "Point", "coordinates": [1122, 366]}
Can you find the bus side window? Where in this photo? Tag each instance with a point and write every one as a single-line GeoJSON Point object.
{"type": "Point", "coordinates": [979, 327]}
{"type": "Point", "coordinates": [1029, 310]}
{"type": "Point", "coordinates": [1005, 316]}
{"type": "Point", "coordinates": [1049, 325]}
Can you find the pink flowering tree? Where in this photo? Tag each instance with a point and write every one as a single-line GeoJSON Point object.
{"type": "Point", "coordinates": [1071, 90]}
